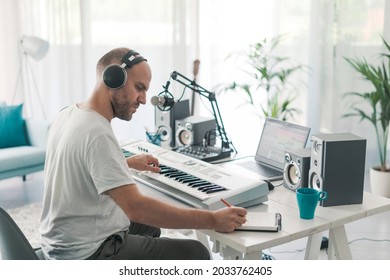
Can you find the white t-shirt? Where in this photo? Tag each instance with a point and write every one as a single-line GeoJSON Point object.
{"type": "Point", "coordinates": [83, 161]}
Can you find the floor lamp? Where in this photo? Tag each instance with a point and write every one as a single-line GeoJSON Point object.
{"type": "Point", "coordinates": [35, 48]}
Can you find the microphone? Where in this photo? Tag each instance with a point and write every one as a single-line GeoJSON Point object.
{"type": "Point", "coordinates": [164, 103]}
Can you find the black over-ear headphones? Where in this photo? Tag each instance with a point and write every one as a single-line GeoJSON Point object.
{"type": "Point", "coordinates": [115, 75]}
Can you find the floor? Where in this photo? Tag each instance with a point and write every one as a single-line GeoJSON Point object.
{"type": "Point", "coordinates": [369, 238]}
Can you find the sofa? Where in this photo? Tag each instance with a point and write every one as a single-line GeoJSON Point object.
{"type": "Point", "coordinates": [22, 143]}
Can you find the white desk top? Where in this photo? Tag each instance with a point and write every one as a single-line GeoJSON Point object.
{"type": "Point", "coordinates": [283, 201]}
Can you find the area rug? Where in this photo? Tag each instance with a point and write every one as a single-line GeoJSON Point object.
{"type": "Point", "coordinates": [27, 218]}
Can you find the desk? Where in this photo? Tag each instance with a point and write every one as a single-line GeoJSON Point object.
{"type": "Point", "coordinates": [249, 245]}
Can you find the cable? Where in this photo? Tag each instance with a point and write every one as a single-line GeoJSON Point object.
{"type": "Point", "coordinates": [208, 136]}
{"type": "Point", "coordinates": [287, 251]}
{"type": "Point", "coordinates": [350, 242]}
{"type": "Point", "coordinates": [234, 159]}
{"type": "Point", "coordinates": [182, 94]}
{"type": "Point", "coordinates": [368, 239]}
{"type": "Point", "coordinates": [278, 185]}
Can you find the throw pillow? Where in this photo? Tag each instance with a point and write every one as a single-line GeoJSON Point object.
{"type": "Point", "coordinates": [12, 127]}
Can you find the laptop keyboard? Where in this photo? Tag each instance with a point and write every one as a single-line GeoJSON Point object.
{"type": "Point", "coordinates": [261, 169]}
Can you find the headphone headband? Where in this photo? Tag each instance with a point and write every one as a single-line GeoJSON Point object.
{"type": "Point", "coordinates": [115, 75]}
{"type": "Point", "coordinates": [132, 58]}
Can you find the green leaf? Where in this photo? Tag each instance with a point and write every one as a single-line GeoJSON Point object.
{"type": "Point", "coordinates": [378, 99]}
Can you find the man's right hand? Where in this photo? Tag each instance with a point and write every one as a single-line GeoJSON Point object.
{"type": "Point", "coordinates": [229, 218]}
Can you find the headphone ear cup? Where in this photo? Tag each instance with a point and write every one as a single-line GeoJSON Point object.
{"type": "Point", "coordinates": [114, 76]}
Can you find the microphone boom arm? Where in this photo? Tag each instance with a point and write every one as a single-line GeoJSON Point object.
{"type": "Point", "coordinates": [192, 85]}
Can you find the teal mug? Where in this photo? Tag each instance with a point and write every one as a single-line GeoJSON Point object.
{"type": "Point", "coordinates": [308, 199]}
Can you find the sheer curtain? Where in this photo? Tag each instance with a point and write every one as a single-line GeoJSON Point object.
{"type": "Point", "coordinates": [228, 27]}
{"type": "Point", "coordinates": [321, 34]}
{"type": "Point", "coordinates": [355, 32]}
{"type": "Point", "coordinates": [81, 31]}
{"type": "Point", "coordinates": [9, 65]}
{"type": "Point", "coordinates": [173, 33]}
{"type": "Point", "coordinates": [58, 75]}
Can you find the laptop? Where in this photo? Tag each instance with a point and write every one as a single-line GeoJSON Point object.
{"type": "Point", "coordinates": [277, 137]}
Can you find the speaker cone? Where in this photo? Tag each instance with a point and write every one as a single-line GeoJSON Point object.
{"type": "Point", "coordinates": [315, 181]}
{"type": "Point", "coordinates": [293, 174]}
{"type": "Point", "coordinates": [165, 134]}
{"type": "Point", "coordinates": [185, 137]}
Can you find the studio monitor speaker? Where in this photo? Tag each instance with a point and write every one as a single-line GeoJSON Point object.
{"type": "Point", "coordinates": [296, 169]}
{"type": "Point", "coordinates": [337, 166]}
{"type": "Point", "coordinates": [192, 130]}
{"type": "Point", "coordinates": [165, 121]}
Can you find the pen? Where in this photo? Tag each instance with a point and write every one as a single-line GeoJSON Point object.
{"type": "Point", "coordinates": [226, 203]}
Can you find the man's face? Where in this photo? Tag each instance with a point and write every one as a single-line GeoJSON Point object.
{"type": "Point", "coordinates": [126, 100]}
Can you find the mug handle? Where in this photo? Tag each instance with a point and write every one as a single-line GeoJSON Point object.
{"type": "Point", "coordinates": [323, 195]}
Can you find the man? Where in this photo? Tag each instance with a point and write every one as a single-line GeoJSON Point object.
{"type": "Point", "coordinates": [90, 196]}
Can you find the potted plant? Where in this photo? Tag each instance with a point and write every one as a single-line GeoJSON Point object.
{"type": "Point", "coordinates": [269, 89]}
{"type": "Point", "coordinates": [378, 115]}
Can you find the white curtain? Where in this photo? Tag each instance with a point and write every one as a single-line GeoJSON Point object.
{"type": "Point", "coordinates": [321, 34]}
{"type": "Point", "coordinates": [58, 76]}
{"type": "Point", "coordinates": [80, 32]}
{"type": "Point", "coordinates": [9, 65]}
{"type": "Point", "coordinates": [173, 33]}
{"type": "Point", "coordinates": [230, 26]}
{"type": "Point", "coordinates": [350, 29]}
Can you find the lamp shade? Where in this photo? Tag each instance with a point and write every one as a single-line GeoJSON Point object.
{"type": "Point", "coordinates": [34, 46]}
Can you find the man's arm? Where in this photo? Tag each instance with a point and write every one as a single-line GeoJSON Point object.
{"type": "Point", "coordinates": [143, 209]}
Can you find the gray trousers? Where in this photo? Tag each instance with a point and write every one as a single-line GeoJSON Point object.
{"type": "Point", "coordinates": [142, 242]}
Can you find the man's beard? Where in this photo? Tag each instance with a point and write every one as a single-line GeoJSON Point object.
{"type": "Point", "coordinates": [121, 108]}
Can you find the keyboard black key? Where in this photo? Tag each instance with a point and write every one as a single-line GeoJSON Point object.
{"type": "Point", "coordinates": [183, 177]}
{"type": "Point", "coordinates": [168, 171]}
{"type": "Point", "coordinates": [190, 180]}
{"type": "Point", "coordinates": [198, 184]}
{"type": "Point", "coordinates": [175, 174]}
{"type": "Point", "coordinates": [216, 190]}
{"type": "Point", "coordinates": [205, 187]}
{"type": "Point", "coordinates": [210, 188]}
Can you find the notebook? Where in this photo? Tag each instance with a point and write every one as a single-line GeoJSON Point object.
{"type": "Point", "coordinates": [262, 221]}
{"type": "Point", "coordinates": [277, 137]}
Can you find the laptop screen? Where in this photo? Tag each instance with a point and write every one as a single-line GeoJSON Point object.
{"type": "Point", "coordinates": [277, 137]}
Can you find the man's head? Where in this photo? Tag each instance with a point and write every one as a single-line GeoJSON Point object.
{"type": "Point", "coordinates": [126, 75]}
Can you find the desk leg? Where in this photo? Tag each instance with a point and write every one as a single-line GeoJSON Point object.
{"type": "Point", "coordinates": [313, 246]}
{"type": "Point", "coordinates": [254, 256]}
{"type": "Point", "coordinates": [228, 253]}
{"type": "Point", "coordinates": [202, 238]}
{"type": "Point", "coordinates": [338, 242]}
{"type": "Point", "coordinates": [331, 252]}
